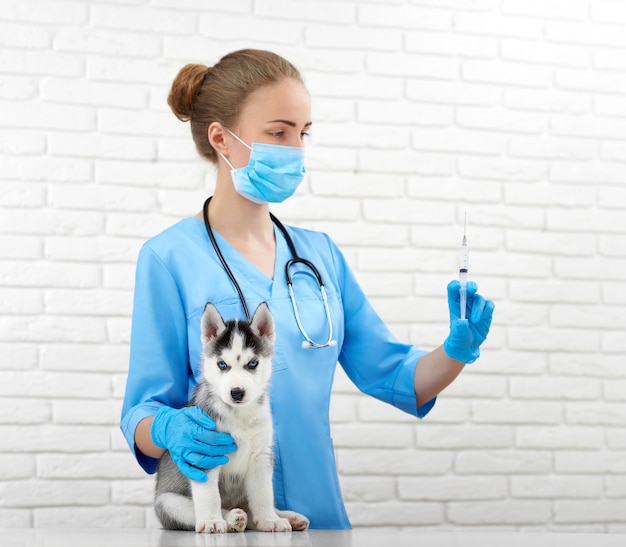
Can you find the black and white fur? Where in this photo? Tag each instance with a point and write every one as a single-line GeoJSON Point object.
{"type": "Point", "coordinates": [236, 369]}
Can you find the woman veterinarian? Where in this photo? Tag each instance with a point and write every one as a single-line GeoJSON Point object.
{"type": "Point", "coordinates": [249, 115]}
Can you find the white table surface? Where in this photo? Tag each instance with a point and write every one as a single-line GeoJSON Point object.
{"type": "Point", "coordinates": [130, 537]}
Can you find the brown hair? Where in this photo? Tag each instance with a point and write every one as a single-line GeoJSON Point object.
{"type": "Point", "coordinates": [203, 95]}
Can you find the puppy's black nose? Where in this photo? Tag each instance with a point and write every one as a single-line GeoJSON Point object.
{"type": "Point", "coordinates": [237, 394]}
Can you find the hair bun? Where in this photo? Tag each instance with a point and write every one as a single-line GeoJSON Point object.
{"type": "Point", "coordinates": [185, 89]}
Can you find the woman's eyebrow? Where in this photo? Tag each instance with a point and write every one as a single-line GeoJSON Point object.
{"type": "Point", "coordinates": [290, 123]}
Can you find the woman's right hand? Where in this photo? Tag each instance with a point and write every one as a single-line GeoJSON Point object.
{"type": "Point", "coordinates": [189, 435]}
{"type": "Point", "coordinates": [466, 335]}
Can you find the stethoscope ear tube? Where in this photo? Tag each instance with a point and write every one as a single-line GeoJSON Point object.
{"type": "Point", "coordinates": [308, 264]}
{"type": "Point", "coordinates": [231, 275]}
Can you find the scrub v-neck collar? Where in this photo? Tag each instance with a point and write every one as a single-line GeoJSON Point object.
{"type": "Point", "coordinates": [250, 278]}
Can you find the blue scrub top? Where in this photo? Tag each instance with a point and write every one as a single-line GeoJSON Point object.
{"type": "Point", "coordinates": [178, 272]}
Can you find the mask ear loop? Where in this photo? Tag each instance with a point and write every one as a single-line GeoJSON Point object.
{"type": "Point", "coordinates": [242, 142]}
{"type": "Point", "coordinates": [226, 160]}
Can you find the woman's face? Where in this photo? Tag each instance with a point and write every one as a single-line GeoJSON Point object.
{"type": "Point", "coordinates": [276, 114]}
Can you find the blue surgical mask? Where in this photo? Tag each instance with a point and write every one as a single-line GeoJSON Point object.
{"type": "Point", "coordinates": [273, 172]}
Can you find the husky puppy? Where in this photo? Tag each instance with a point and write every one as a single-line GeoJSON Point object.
{"type": "Point", "coordinates": [236, 370]}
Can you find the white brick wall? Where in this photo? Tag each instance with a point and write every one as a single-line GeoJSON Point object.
{"type": "Point", "coordinates": [511, 110]}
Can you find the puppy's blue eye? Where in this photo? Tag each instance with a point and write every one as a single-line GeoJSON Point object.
{"type": "Point", "coordinates": [222, 365]}
{"type": "Point", "coordinates": [253, 364]}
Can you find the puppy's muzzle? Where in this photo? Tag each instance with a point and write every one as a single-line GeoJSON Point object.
{"type": "Point", "coordinates": [237, 394]}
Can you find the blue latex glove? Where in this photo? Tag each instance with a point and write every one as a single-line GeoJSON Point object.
{"type": "Point", "coordinates": [189, 435]}
{"type": "Point", "coordinates": [466, 335]}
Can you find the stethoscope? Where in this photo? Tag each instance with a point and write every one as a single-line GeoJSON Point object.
{"type": "Point", "coordinates": [296, 259]}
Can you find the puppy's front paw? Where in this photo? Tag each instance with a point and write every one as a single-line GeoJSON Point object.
{"type": "Point", "coordinates": [237, 520]}
{"type": "Point", "coordinates": [211, 527]}
{"type": "Point", "coordinates": [276, 525]}
{"type": "Point", "coordinates": [299, 523]}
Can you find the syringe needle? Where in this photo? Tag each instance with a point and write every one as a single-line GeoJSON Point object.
{"type": "Point", "coordinates": [464, 229]}
{"type": "Point", "coordinates": [463, 270]}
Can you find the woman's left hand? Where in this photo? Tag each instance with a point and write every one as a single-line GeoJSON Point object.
{"type": "Point", "coordinates": [466, 335]}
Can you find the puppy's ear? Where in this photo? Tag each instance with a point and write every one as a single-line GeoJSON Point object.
{"type": "Point", "coordinates": [212, 323]}
{"type": "Point", "coordinates": [263, 322]}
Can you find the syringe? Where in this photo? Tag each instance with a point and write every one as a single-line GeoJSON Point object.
{"type": "Point", "coordinates": [463, 269]}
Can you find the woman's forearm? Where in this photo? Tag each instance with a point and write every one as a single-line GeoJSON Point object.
{"type": "Point", "coordinates": [434, 372]}
{"type": "Point", "coordinates": [143, 439]}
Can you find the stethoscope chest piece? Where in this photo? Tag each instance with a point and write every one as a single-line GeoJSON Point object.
{"type": "Point", "coordinates": [308, 343]}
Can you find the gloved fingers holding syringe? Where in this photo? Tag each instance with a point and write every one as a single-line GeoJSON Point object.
{"type": "Point", "coordinates": [466, 335]}
{"type": "Point", "coordinates": [470, 314]}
